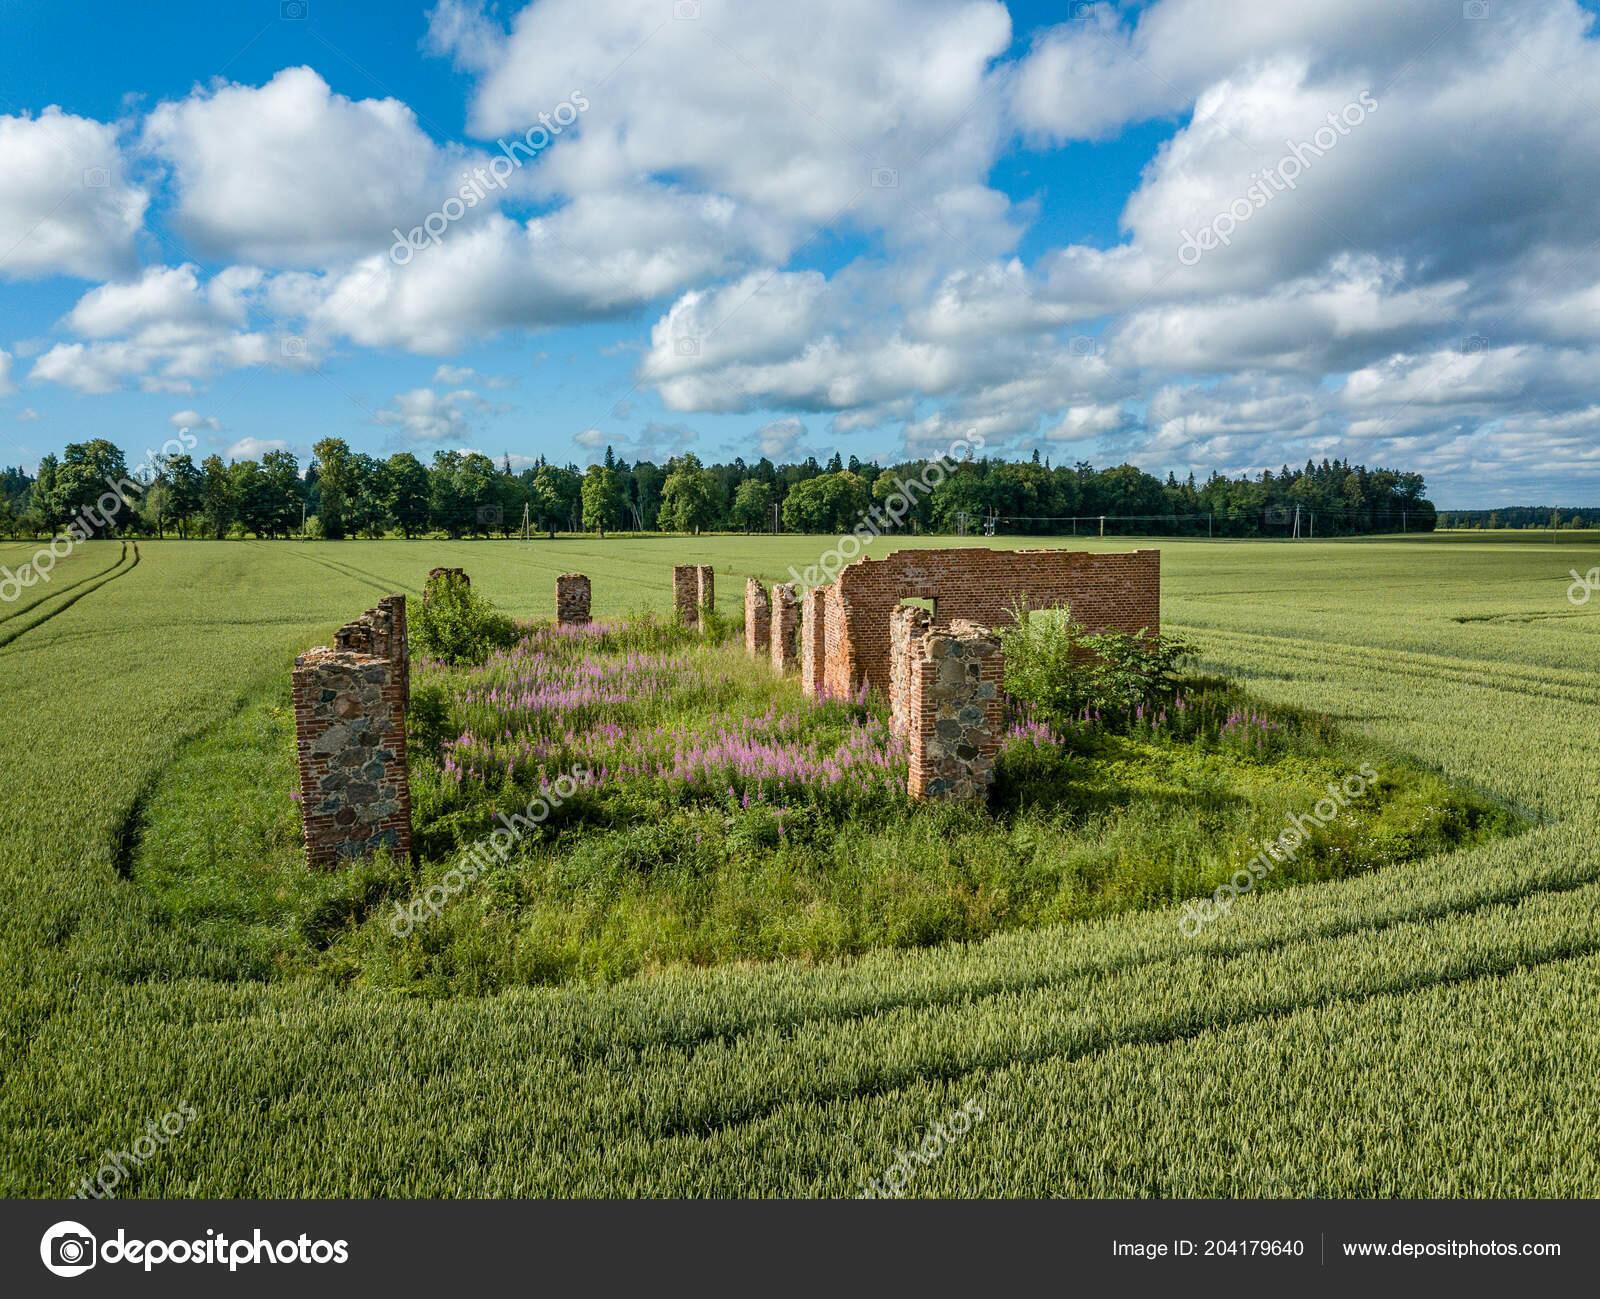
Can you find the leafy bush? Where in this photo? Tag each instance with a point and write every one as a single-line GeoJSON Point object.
{"type": "Point", "coordinates": [457, 625]}
{"type": "Point", "coordinates": [1059, 672]}
{"type": "Point", "coordinates": [428, 720]}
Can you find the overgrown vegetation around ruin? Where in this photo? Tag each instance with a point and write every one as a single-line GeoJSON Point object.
{"type": "Point", "coordinates": [711, 814]}
{"type": "Point", "coordinates": [1118, 1057]}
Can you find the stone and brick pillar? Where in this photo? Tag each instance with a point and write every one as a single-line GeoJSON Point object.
{"type": "Point", "coordinates": [908, 627]}
{"type": "Point", "coordinates": [947, 698]}
{"type": "Point", "coordinates": [350, 739]}
{"type": "Point", "coordinates": [449, 575]}
{"type": "Point", "coordinates": [572, 600]}
{"type": "Point", "coordinates": [757, 618]}
{"type": "Point", "coordinates": [785, 623]}
{"type": "Point", "coordinates": [686, 594]}
{"type": "Point", "coordinates": [813, 644]}
{"type": "Point", "coordinates": [705, 592]}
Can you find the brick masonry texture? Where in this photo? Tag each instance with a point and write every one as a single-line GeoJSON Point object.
{"type": "Point", "coordinates": [908, 626]}
{"type": "Point", "coordinates": [947, 704]}
{"type": "Point", "coordinates": [350, 739]}
{"type": "Point", "coordinates": [705, 592]}
{"type": "Point", "coordinates": [757, 619]}
{"type": "Point", "coordinates": [785, 623]}
{"type": "Point", "coordinates": [572, 600]}
{"type": "Point", "coordinates": [848, 621]}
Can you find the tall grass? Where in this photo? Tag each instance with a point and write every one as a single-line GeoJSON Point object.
{"type": "Point", "coordinates": [1425, 1029]}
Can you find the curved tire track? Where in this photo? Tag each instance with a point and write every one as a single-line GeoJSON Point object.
{"type": "Point", "coordinates": [67, 588]}
{"type": "Point", "coordinates": [12, 635]}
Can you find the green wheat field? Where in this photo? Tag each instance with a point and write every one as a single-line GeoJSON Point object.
{"type": "Point", "coordinates": [1426, 1029]}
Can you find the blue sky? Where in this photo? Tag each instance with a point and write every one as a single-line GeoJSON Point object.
{"type": "Point", "coordinates": [867, 227]}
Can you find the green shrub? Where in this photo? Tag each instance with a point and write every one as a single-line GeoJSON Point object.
{"type": "Point", "coordinates": [457, 625]}
{"type": "Point", "coordinates": [1059, 672]}
{"type": "Point", "coordinates": [428, 721]}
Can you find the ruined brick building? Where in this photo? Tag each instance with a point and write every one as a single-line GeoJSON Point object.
{"type": "Point", "coordinates": [941, 666]}
{"type": "Point", "coordinates": [845, 637]}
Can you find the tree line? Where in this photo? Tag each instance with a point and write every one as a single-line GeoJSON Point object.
{"type": "Point", "coordinates": [1519, 516]}
{"type": "Point", "coordinates": [346, 493]}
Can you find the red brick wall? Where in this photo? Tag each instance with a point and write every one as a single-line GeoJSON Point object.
{"type": "Point", "coordinates": [757, 619]}
{"type": "Point", "coordinates": [908, 625]}
{"type": "Point", "coordinates": [350, 739]}
{"type": "Point", "coordinates": [1120, 591]}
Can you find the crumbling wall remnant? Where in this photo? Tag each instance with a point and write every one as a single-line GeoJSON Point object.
{"type": "Point", "coordinates": [850, 636]}
{"type": "Point", "coordinates": [572, 600]}
{"type": "Point", "coordinates": [350, 739]}
{"type": "Point", "coordinates": [785, 623]}
{"type": "Point", "coordinates": [947, 704]}
{"type": "Point", "coordinates": [693, 590]}
{"type": "Point", "coordinates": [757, 618]}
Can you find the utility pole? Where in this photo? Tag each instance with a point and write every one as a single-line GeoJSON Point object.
{"type": "Point", "coordinates": [774, 518]}
{"type": "Point", "coordinates": [1402, 520]}
{"type": "Point", "coordinates": [525, 521]}
{"type": "Point", "coordinates": [1208, 527]}
{"type": "Point", "coordinates": [1297, 523]}
{"type": "Point", "coordinates": [1313, 525]}
{"type": "Point", "coordinates": [1102, 525]}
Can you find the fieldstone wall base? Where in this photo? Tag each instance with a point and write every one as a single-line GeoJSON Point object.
{"type": "Point", "coordinates": [572, 600]}
{"type": "Point", "coordinates": [947, 704]}
{"type": "Point", "coordinates": [686, 594]}
{"type": "Point", "coordinates": [350, 739]}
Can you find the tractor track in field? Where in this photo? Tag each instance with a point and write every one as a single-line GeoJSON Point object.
{"type": "Point", "coordinates": [64, 589]}
{"type": "Point", "coordinates": [11, 635]}
{"type": "Point", "coordinates": [354, 574]}
{"type": "Point", "coordinates": [982, 990]}
{"type": "Point", "coordinates": [1156, 1033]}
